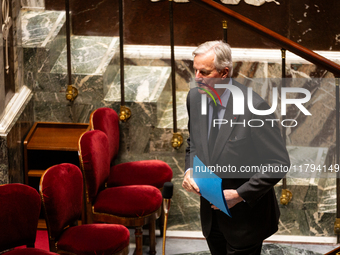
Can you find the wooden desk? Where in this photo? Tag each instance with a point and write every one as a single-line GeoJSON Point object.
{"type": "Point", "coordinates": [48, 144]}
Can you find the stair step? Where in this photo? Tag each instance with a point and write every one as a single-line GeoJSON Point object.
{"type": "Point", "coordinates": [93, 66]}
{"type": "Point", "coordinates": [89, 55]}
{"type": "Point", "coordinates": [43, 38]}
{"type": "Point", "coordinates": [142, 84]}
{"type": "Point", "coordinates": [39, 28]}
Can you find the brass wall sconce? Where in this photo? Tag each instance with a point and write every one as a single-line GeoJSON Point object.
{"type": "Point", "coordinates": [177, 140]}
{"type": "Point", "coordinates": [125, 113]}
{"type": "Point", "coordinates": [71, 93]}
{"type": "Point", "coordinates": [286, 196]}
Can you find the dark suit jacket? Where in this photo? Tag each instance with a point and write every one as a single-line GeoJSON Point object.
{"type": "Point", "coordinates": [257, 218]}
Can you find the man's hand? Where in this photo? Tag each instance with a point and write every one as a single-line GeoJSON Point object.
{"type": "Point", "coordinates": [189, 184]}
{"type": "Point", "coordinates": [232, 198]}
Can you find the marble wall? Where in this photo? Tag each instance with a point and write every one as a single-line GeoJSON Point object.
{"type": "Point", "coordinates": [12, 149]}
{"type": "Point", "coordinates": [3, 161]}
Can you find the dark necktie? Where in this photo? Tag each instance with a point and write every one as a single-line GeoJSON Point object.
{"type": "Point", "coordinates": [213, 130]}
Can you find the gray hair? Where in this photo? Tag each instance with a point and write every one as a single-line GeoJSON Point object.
{"type": "Point", "coordinates": [222, 54]}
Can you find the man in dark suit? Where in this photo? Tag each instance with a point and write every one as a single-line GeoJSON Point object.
{"type": "Point", "coordinates": [243, 142]}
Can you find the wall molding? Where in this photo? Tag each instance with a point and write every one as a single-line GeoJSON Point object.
{"type": "Point", "coordinates": [13, 109]}
{"type": "Point", "coordinates": [238, 54]}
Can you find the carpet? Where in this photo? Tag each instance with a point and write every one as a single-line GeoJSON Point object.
{"type": "Point", "coordinates": [41, 241]}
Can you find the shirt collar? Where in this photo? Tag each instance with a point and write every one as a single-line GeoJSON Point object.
{"type": "Point", "coordinates": [224, 97]}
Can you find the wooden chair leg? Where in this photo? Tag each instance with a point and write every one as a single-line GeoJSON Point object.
{"type": "Point", "coordinates": [152, 236]}
{"type": "Point", "coordinates": [139, 240]}
{"type": "Point", "coordinates": [52, 245]}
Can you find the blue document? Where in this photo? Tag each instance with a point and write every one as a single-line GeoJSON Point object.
{"type": "Point", "coordinates": [210, 185]}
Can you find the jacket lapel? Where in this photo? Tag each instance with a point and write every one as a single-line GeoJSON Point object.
{"type": "Point", "coordinates": [225, 130]}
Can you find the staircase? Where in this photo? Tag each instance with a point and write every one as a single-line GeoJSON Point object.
{"type": "Point", "coordinates": [95, 72]}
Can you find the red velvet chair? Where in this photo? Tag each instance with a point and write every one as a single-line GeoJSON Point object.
{"type": "Point", "coordinates": [19, 215]}
{"type": "Point", "coordinates": [133, 206]}
{"type": "Point", "coordinates": [144, 172]}
{"type": "Point", "coordinates": [61, 190]}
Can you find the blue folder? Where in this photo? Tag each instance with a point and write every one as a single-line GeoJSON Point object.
{"type": "Point", "coordinates": [210, 185]}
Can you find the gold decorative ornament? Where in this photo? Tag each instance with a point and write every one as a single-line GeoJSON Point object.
{"type": "Point", "coordinates": [337, 226]}
{"type": "Point", "coordinates": [125, 113]}
{"type": "Point", "coordinates": [283, 53]}
{"type": "Point", "coordinates": [224, 24]}
{"type": "Point", "coordinates": [286, 196]}
{"type": "Point", "coordinates": [177, 140]}
{"type": "Point", "coordinates": [71, 93]}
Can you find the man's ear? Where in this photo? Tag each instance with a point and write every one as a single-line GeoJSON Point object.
{"type": "Point", "coordinates": [225, 73]}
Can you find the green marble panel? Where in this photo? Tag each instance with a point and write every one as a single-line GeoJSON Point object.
{"type": "Point", "coordinates": [43, 38]}
{"type": "Point", "coordinates": [327, 201]}
{"type": "Point", "coordinates": [40, 27]}
{"type": "Point", "coordinates": [89, 55]}
{"type": "Point", "coordinates": [166, 120]}
{"type": "Point", "coordinates": [141, 84]}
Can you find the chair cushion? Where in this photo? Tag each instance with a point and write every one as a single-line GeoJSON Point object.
{"type": "Point", "coordinates": [28, 251]}
{"type": "Point", "coordinates": [144, 172]}
{"type": "Point", "coordinates": [105, 239]}
{"type": "Point", "coordinates": [128, 201]}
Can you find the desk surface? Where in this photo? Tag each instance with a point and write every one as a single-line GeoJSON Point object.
{"type": "Point", "coordinates": [55, 136]}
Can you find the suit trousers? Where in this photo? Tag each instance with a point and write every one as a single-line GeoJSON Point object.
{"type": "Point", "coordinates": [218, 245]}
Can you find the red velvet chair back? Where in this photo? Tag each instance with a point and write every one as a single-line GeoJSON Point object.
{"type": "Point", "coordinates": [19, 215]}
{"type": "Point", "coordinates": [107, 120]}
{"type": "Point", "coordinates": [95, 161]}
{"type": "Point", "coordinates": [61, 189]}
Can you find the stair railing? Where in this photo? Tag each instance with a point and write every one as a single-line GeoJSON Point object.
{"type": "Point", "coordinates": [177, 138]}
{"type": "Point", "coordinates": [71, 91]}
{"type": "Point", "coordinates": [286, 195]}
{"type": "Point", "coordinates": [125, 112]}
